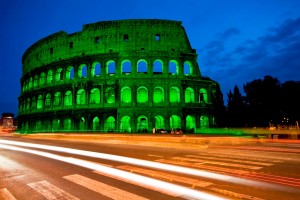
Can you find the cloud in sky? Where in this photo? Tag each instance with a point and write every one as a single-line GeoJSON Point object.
{"type": "Point", "coordinates": [276, 53]}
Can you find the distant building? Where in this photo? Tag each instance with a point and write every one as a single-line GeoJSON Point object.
{"type": "Point", "coordinates": [7, 121]}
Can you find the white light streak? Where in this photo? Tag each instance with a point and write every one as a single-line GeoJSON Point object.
{"type": "Point", "coordinates": [161, 186]}
{"type": "Point", "coordinates": [144, 163]}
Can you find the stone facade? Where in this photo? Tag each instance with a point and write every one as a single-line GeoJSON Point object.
{"type": "Point", "coordinates": [115, 76]}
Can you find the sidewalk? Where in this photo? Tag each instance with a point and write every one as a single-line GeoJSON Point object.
{"type": "Point", "coordinates": [172, 141]}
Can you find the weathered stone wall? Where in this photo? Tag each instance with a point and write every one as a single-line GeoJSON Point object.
{"type": "Point", "coordinates": [137, 74]}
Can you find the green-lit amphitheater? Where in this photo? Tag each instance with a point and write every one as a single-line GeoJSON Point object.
{"type": "Point", "coordinates": [127, 76]}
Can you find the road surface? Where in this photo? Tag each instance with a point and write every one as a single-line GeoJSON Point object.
{"type": "Point", "coordinates": [57, 169]}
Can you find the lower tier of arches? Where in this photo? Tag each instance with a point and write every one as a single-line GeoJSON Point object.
{"type": "Point", "coordinates": [119, 121]}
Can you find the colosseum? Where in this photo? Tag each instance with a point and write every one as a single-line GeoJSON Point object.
{"type": "Point", "coordinates": [128, 76]}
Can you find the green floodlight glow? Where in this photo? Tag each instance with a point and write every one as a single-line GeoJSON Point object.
{"type": "Point", "coordinates": [110, 124]}
{"type": "Point", "coordinates": [95, 96]}
{"type": "Point", "coordinates": [49, 76]}
{"type": "Point", "coordinates": [174, 95]}
{"type": "Point", "coordinates": [158, 95]}
{"type": "Point", "coordinates": [190, 123]}
{"type": "Point", "coordinates": [204, 122]}
{"type": "Point", "coordinates": [175, 122]}
{"type": "Point", "coordinates": [57, 99]}
{"type": "Point", "coordinates": [203, 96]}
{"type": "Point", "coordinates": [68, 101]}
{"type": "Point", "coordinates": [159, 122]}
{"type": "Point", "coordinates": [122, 76]}
{"type": "Point", "coordinates": [125, 124]}
{"type": "Point", "coordinates": [142, 95]}
{"type": "Point", "coordinates": [110, 95]}
{"type": "Point", "coordinates": [189, 95]}
{"type": "Point", "coordinates": [126, 95]}
{"type": "Point", "coordinates": [80, 99]}
{"type": "Point", "coordinates": [42, 78]}
{"type": "Point", "coordinates": [96, 124]}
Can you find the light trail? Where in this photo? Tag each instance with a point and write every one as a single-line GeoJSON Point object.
{"type": "Point", "coordinates": [145, 163]}
{"type": "Point", "coordinates": [161, 186]}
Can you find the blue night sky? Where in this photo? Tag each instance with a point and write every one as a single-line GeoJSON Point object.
{"type": "Point", "coordinates": [237, 41]}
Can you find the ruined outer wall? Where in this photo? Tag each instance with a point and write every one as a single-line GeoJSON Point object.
{"type": "Point", "coordinates": [62, 90]}
{"type": "Point", "coordinates": [107, 37]}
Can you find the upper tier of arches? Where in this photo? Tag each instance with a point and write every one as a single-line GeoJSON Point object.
{"type": "Point", "coordinates": [109, 69]}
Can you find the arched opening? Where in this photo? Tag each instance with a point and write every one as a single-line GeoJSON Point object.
{"type": "Point", "coordinates": [38, 125]}
{"type": "Point", "coordinates": [159, 122]}
{"type": "Point", "coordinates": [174, 95]}
{"type": "Point", "coordinates": [82, 124]}
{"type": "Point", "coordinates": [42, 78]}
{"type": "Point", "coordinates": [96, 124]}
{"type": "Point", "coordinates": [204, 122]}
{"type": "Point", "coordinates": [80, 98]}
{"type": "Point", "coordinates": [56, 125]}
{"type": "Point", "coordinates": [110, 95]}
{"type": "Point", "coordinates": [126, 95]}
{"type": "Point", "coordinates": [125, 124]}
{"type": "Point", "coordinates": [158, 95]}
{"type": "Point", "coordinates": [67, 124]}
{"type": "Point", "coordinates": [68, 99]}
{"type": "Point", "coordinates": [142, 66]}
{"type": "Point", "coordinates": [82, 71]}
{"type": "Point", "coordinates": [203, 96]}
{"type": "Point", "coordinates": [28, 104]}
{"type": "Point", "coordinates": [142, 124]}
{"type": "Point", "coordinates": [46, 126]}
{"type": "Point", "coordinates": [173, 67]}
{"type": "Point", "coordinates": [95, 96]}
{"type": "Point", "coordinates": [48, 100]}
{"type": "Point", "coordinates": [110, 67]}
{"type": "Point", "coordinates": [96, 69]}
{"type": "Point", "coordinates": [58, 75]}
{"type": "Point", "coordinates": [158, 66]}
{"type": "Point", "coordinates": [190, 124]}
{"type": "Point", "coordinates": [142, 95]}
{"type": "Point", "coordinates": [126, 67]}
{"type": "Point", "coordinates": [189, 95]}
{"type": "Point", "coordinates": [188, 68]}
{"type": "Point", "coordinates": [30, 83]}
{"type": "Point", "coordinates": [70, 73]}
{"type": "Point", "coordinates": [35, 81]}
{"type": "Point", "coordinates": [57, 99]}
{"type": "Point", "coordinates": [33, 103]}
{"type": "Point", "coordinates": [40, 102]}
{"type": "Point", "coordinates": [49, 76]}
{"type": "Point", "coordinates": [110, 124]}
{"type": "Point", "coordinates": [175, 122]}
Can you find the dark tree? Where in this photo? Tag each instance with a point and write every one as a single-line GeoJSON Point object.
{"type": "Point", "coordinates": [290, 101]}
{"type": "Point", "coordinates": [220, 109]}
{"type": "Point", "coordinates": [236, 113]}
{"type": "Point", "coordinates": [263, 101]}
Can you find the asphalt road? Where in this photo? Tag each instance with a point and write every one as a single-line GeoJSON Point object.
{"type": "Point", "coordinates": [121, 171]}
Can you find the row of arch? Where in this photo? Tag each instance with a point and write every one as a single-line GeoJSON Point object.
{"type": "Point", "coordinates": [82, 97]}
{"type": "Point", "coordinates": [96, 70]}
{"type": "Point", "coordinates": [125, 124]}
